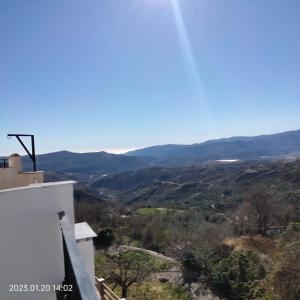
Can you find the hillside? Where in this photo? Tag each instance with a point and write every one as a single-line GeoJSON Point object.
{"type": "Point", "coordinates": [86, 164]}
{"type": "Point", "coordinates": [218, 185]}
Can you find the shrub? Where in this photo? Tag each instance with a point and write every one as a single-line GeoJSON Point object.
{"type": "Point", "coordinates": [237, 276]}
{"type": "Point", "coordinates": [285, 277]}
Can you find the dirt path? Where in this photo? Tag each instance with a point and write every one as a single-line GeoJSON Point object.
{"type": "Point", "coordinates": [153, 253]}
{"type": "Point", "coordinates": [174, 274]}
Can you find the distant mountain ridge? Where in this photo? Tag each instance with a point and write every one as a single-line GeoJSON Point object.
{"type": "Point", "coordinates": [243, 148]}
{"type": "Point", "coordinates": [240, 148]}
{"type": "Point", "coordinates": [87, 163]}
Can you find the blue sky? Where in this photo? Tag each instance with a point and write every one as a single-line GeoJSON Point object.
{"type": "Point", "coordinates": [122, 74]}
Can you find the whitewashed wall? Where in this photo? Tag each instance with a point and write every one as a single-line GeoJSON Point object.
{"type": "Point", "coordinates": [86, 248]}
{"type": "Point", "coordinates": [30, 237]}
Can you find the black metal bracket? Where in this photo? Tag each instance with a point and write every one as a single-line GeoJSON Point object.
{"type": "Point", "coordinates": [32, 154]}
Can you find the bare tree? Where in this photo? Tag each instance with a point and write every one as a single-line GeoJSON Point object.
{"type": "Point", "coordinates": [256, 212]}
{"type": "Point", "coordinates": [244, 221]}
{"type": "Point", "coordinates": [127, 267]}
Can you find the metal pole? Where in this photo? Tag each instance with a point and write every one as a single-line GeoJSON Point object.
{"type": "Point", "coordinates": [33, 153]}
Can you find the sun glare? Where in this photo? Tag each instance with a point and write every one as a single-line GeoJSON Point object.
{"type": "Point", "coordinates": [190, 62]}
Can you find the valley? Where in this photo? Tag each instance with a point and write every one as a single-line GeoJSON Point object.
{"type": "Point", "coordinates": [211, 217]}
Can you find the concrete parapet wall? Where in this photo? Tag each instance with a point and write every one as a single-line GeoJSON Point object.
{"type": "Point", "coordinates": [11, 178]}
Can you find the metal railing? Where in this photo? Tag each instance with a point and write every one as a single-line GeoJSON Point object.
{"type": "Point", "coordinates": [105, 292]}
{"type": "Point", "coordinates": [79, 284]}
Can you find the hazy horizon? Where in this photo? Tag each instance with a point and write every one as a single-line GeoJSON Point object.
{"type": "Point", "coordinates": [18, 149]}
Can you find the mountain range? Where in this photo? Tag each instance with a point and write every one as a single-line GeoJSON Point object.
{"type": "Point", "coordinates": [240, 148]}
{"type": "Point", "coordinates": [84, 165]}
{"type": "Point", "coordinates": [95, 164]}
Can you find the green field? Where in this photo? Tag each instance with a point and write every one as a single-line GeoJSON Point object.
{"type": "Point", "coordinates": [146, 211]}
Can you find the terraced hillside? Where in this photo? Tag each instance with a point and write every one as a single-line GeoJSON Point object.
{"type": "Point", "coordinates": [218, 185]}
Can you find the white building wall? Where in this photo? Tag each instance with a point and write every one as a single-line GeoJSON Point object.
{"type": "Point", "coordinates": [30, 237]}
{"type": "Point", "coordinates": [86, 248]}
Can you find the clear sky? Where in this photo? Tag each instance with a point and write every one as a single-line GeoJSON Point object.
{"type": "Point", "coordinates": [87, 75]}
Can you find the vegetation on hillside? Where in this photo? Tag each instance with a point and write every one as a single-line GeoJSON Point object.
{"type": "Point", "coordinates": [247, 250]}
{"type": "Point", "coordinates": [218, 186]}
